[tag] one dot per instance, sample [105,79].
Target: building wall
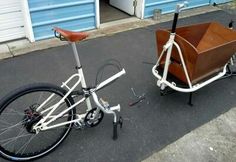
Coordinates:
[12,20]
[40,16]
[74,15]
[219,1]
[168,6]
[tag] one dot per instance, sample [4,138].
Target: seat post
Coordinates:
[80,71]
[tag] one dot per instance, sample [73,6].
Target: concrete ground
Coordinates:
[109,13]
[158,129]
[215,141]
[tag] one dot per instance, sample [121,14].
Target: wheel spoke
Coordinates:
[18,116]
[11,114]
[17,112]
[26,144]
[40,96]
[14,138]
[8,128]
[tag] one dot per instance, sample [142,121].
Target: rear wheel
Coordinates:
[18,115]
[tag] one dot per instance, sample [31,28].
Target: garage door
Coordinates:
[168,6]
[11,18]
[220,1]
[76,15]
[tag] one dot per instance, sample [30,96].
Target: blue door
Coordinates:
[219,1]
[168,6]
[74,15]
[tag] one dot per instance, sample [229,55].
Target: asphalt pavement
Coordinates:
[148,126]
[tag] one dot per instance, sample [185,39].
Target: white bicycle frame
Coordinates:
[43,124]
[162,81]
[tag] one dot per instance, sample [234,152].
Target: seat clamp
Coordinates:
[78,67]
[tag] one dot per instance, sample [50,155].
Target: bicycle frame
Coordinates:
[50,110]
[43,123]
[79,76]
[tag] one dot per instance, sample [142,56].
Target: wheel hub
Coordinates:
[31,117]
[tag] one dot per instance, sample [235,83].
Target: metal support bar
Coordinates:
[187,90]
[167,61]
[183,64]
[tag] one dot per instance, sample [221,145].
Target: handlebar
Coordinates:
[181,6]
[110,80]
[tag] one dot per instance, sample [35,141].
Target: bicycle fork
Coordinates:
[109,110]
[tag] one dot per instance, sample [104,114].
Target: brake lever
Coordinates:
[179,7]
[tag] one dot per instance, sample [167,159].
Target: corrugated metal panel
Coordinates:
[168,6]
[76,15]
[220,1]
[12,22]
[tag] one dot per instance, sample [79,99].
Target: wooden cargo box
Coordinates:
[206,48]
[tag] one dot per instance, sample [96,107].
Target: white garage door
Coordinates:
[11,18]
[124,5]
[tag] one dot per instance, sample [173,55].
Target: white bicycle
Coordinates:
[36,118]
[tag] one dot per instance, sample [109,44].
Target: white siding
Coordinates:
[11,18]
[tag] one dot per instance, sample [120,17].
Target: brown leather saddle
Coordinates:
[71,36]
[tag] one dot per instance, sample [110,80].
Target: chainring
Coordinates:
[92,119]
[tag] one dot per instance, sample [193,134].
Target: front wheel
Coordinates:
[18,115]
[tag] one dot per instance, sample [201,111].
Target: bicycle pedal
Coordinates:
[78,125]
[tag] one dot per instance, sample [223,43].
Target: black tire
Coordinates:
[17,140]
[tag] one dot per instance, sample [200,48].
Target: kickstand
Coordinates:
[190,99]
[120,122]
